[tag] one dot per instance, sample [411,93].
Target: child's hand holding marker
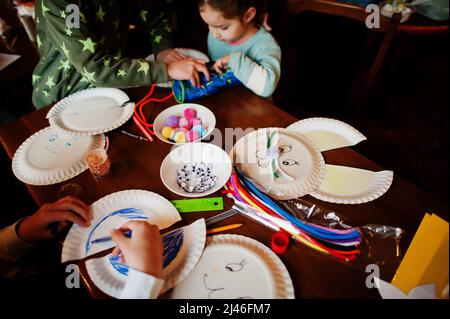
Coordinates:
[142,251]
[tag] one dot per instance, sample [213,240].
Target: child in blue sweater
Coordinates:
[236,41]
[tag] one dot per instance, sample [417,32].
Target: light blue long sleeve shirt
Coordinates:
[256,63]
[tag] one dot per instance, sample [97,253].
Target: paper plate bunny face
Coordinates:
[286,163]
[236,267]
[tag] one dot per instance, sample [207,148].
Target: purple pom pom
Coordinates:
[172,121]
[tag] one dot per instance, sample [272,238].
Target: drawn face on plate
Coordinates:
[229,277]
[284,153]
[55,149]
[242,276]
[58,143]
[282,164]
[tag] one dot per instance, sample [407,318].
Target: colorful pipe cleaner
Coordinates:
[340,243]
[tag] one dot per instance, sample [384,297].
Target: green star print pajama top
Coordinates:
[73,59]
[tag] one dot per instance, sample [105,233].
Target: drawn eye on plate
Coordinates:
[52,138]
[72,141]
[264,163]
[290,162]
[235,267]
[285,148]
[260,154]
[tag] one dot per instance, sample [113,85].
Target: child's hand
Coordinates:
[143,251]
[169,56]
[221,64]
[68,209]
[188,70]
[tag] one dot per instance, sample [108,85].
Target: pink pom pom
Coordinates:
[172,121]
[184,123]
[192,136]
[190,113]
[195,121]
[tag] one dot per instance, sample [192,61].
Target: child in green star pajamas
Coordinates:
[73,59]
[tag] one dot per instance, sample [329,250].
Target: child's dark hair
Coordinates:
[235,8]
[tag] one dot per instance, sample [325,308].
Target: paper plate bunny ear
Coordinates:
[341,184]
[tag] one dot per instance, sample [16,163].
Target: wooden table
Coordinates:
[136,164]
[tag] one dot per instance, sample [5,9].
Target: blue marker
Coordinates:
[109,238]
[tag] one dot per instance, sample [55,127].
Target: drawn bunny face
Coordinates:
[225,281]
[284,158]
[280,161]
[241,276]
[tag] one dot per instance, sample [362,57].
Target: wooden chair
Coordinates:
[361,88]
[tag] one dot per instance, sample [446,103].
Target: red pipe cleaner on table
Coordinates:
[138,113]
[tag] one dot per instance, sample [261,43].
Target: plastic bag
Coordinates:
[380,243]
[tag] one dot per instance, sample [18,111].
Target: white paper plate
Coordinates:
[195,54]
[327,133]
[299,159]
[188,246]
[348,185]
[91,111]
[236,267]
[51,156]
[192,53]
[203,113]
[195,153]
[155,209]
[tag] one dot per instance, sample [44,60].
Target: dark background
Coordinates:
[405,119]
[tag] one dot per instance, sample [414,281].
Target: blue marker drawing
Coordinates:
[71,142]
[53,138]
[172,242]
[127,213]
[53,146]
[121,268]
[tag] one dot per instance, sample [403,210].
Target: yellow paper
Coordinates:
[426,261]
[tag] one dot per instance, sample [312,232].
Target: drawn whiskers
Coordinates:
[211,290]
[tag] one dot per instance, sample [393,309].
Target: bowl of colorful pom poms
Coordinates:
[184,123]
